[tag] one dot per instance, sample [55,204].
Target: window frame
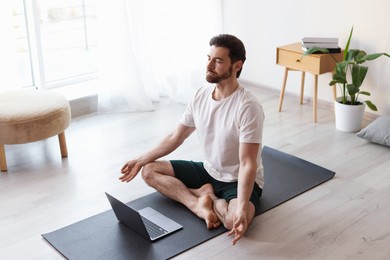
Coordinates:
[31,12]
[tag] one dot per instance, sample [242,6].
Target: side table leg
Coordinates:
[3,161]
[302,86]
[315,98]
[283,89]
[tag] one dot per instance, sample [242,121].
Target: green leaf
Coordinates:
[315,50]
[352,89]
[371,105]
[333,82]
[347,45]
[360,56]
[353,53]
[371,57]
[338,78]
[358,74]
[339,73]
[365,93]
[341,66]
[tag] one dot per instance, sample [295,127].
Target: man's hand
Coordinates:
[130,170]
[240,225]
[166,146]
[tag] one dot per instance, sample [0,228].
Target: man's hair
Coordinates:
[233,44]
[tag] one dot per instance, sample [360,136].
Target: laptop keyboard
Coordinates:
[153,229]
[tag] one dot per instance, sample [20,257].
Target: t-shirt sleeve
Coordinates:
[187,118]
[251,123]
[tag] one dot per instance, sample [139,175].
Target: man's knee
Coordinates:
[148,172]
[153,169]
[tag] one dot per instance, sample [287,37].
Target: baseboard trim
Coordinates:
[84,105]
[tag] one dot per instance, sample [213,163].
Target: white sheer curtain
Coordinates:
[8,60]
[149,48]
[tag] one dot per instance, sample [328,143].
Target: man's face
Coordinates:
[219,66]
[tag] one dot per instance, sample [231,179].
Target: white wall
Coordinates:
[264,25]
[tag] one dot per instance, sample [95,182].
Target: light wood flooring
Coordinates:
[347,217]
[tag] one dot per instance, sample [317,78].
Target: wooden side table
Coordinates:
[290,56]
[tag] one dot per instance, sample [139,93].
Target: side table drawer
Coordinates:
[294,60]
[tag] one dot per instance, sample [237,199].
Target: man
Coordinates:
[226,187]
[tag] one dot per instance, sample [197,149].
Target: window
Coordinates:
[14,47]
[68,41]
[48,43]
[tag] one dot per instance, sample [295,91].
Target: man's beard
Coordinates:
[213,77]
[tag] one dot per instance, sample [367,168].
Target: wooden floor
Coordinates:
[347,217]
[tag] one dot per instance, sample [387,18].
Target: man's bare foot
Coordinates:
[205,211]
[220,207]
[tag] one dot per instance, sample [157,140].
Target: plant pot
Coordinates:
[348,117]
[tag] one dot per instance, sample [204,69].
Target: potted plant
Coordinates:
[350,74]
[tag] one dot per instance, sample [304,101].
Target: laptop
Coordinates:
[147,222]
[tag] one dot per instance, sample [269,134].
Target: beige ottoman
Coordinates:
[32,115]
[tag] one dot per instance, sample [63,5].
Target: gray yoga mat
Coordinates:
[103,237]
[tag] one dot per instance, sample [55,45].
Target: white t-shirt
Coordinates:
[221,126]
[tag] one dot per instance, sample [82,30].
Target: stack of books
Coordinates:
[331,44]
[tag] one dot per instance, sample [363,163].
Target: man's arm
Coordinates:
[246,179]
[165,147]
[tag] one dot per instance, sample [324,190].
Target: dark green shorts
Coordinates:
[194,176]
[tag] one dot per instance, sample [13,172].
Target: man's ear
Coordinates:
[238,65]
